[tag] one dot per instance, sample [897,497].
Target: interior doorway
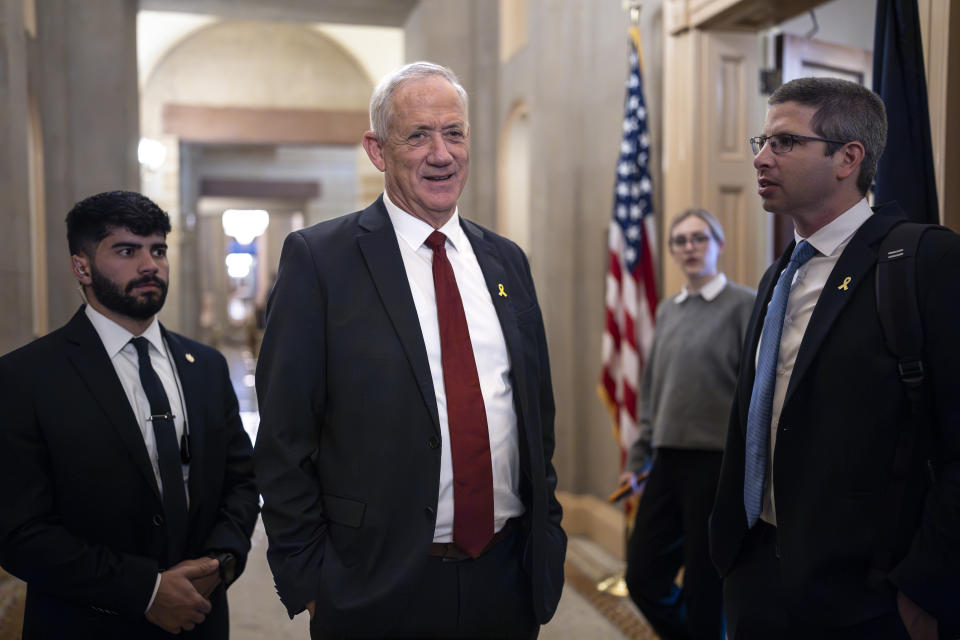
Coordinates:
[799,57]
[244,200]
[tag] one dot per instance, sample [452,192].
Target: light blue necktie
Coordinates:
[761,399]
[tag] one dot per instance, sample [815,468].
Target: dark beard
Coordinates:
[120,301]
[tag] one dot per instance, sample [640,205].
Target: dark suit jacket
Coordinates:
[348,455]
[82,517]
[836,439]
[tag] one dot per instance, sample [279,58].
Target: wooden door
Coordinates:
[714,106]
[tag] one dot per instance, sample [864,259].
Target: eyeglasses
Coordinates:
[781,143]
[697,240]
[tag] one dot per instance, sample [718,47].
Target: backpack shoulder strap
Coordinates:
[898,309]
[897,305]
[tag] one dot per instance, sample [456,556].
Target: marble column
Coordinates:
[83,70]
[16,321]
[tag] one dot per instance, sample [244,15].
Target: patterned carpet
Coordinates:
[12,592]
[618,610]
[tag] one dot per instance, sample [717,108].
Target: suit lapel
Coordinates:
[854,263]
[90,360]
[378,245]
[192,385]
[496,277]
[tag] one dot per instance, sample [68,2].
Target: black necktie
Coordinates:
[168,454]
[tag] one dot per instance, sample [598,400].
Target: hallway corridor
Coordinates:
[256,612]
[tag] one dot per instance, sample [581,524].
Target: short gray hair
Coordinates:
[716,229]
[380,102]
[845,111]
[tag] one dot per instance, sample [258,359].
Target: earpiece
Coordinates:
[80,268]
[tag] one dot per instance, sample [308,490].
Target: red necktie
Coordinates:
[466,415]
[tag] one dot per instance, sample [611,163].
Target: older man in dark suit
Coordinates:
[809,507]
[129,497]
[406,432]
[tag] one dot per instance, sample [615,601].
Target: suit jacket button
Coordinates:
[433,442]
[157,520]
[430,513]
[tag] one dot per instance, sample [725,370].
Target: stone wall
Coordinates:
[83,75]
[16,321]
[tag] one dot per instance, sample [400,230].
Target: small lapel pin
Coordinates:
[846,281]
[190,358]
[502,292]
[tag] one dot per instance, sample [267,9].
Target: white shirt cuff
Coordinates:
[153,596]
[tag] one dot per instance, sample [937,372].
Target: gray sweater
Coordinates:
[690,377]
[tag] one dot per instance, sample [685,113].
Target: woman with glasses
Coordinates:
[686,395]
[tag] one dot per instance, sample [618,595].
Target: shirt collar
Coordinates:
[115,338]
[708,291]
[414,231]
[834,236]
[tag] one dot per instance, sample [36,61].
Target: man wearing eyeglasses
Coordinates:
[806,498]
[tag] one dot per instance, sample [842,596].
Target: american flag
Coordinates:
[631,297]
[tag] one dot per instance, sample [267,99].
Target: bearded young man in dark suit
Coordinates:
[379,524]
[126,519]
[807,494]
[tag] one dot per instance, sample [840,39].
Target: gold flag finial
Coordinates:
[633,6]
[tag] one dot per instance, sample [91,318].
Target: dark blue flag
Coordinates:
[905,172]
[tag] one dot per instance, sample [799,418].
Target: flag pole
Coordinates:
[615,584]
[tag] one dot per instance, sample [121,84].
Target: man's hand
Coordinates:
[920,624]
[178,604]
[311,607]
[206,584]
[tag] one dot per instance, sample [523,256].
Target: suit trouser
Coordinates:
[755,601]
[670,531]
[486,597]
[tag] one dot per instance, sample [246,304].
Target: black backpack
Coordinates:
[898,309]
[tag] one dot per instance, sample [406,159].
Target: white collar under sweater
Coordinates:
[709,291]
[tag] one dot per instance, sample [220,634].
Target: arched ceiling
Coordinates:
[386,13]
[377,49]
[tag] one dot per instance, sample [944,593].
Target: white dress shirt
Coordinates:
[123,357]
[808,282]
[489,351]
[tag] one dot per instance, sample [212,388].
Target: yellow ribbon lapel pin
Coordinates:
[190,358]
[502,292]
[843,286]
